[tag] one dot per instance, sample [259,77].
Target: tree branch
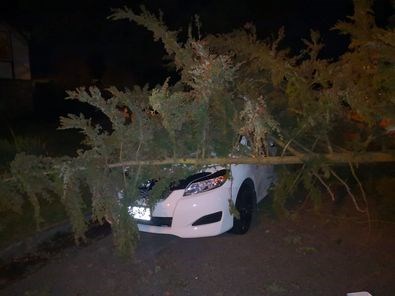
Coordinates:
[334,158]
[354,199]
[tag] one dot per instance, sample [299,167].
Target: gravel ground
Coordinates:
[309,255]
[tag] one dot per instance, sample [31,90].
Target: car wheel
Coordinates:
[245,206]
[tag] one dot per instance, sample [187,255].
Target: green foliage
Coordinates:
[365,74]
[9,148]
[28,172]
[10,202]
[232,209]
[72,199]
[125,233]
[230,85]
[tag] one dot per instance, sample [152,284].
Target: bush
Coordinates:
[29,144]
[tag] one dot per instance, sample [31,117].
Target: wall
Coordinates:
[14,54]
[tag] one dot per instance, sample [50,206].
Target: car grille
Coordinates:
[157,221]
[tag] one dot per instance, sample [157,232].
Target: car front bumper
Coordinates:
[197,215]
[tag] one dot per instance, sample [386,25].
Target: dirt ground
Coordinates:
[313,254]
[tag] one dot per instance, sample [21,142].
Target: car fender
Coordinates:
[240,173]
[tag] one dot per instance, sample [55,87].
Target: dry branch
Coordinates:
[333,158]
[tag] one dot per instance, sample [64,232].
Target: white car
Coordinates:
[200,205]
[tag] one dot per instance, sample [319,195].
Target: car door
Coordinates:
[265,174]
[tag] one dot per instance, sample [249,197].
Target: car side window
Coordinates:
[269,147]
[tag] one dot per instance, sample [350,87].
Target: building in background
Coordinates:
[14,54]
[16,89]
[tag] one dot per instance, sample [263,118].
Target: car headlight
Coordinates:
[210,182]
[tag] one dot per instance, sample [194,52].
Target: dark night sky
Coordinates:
[65,34]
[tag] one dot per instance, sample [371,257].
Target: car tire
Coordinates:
[245,204]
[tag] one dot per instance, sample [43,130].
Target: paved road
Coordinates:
[302,257]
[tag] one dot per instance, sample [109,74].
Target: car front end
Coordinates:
[198,207]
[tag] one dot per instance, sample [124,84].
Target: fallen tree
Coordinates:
[320,112]
[334,158]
